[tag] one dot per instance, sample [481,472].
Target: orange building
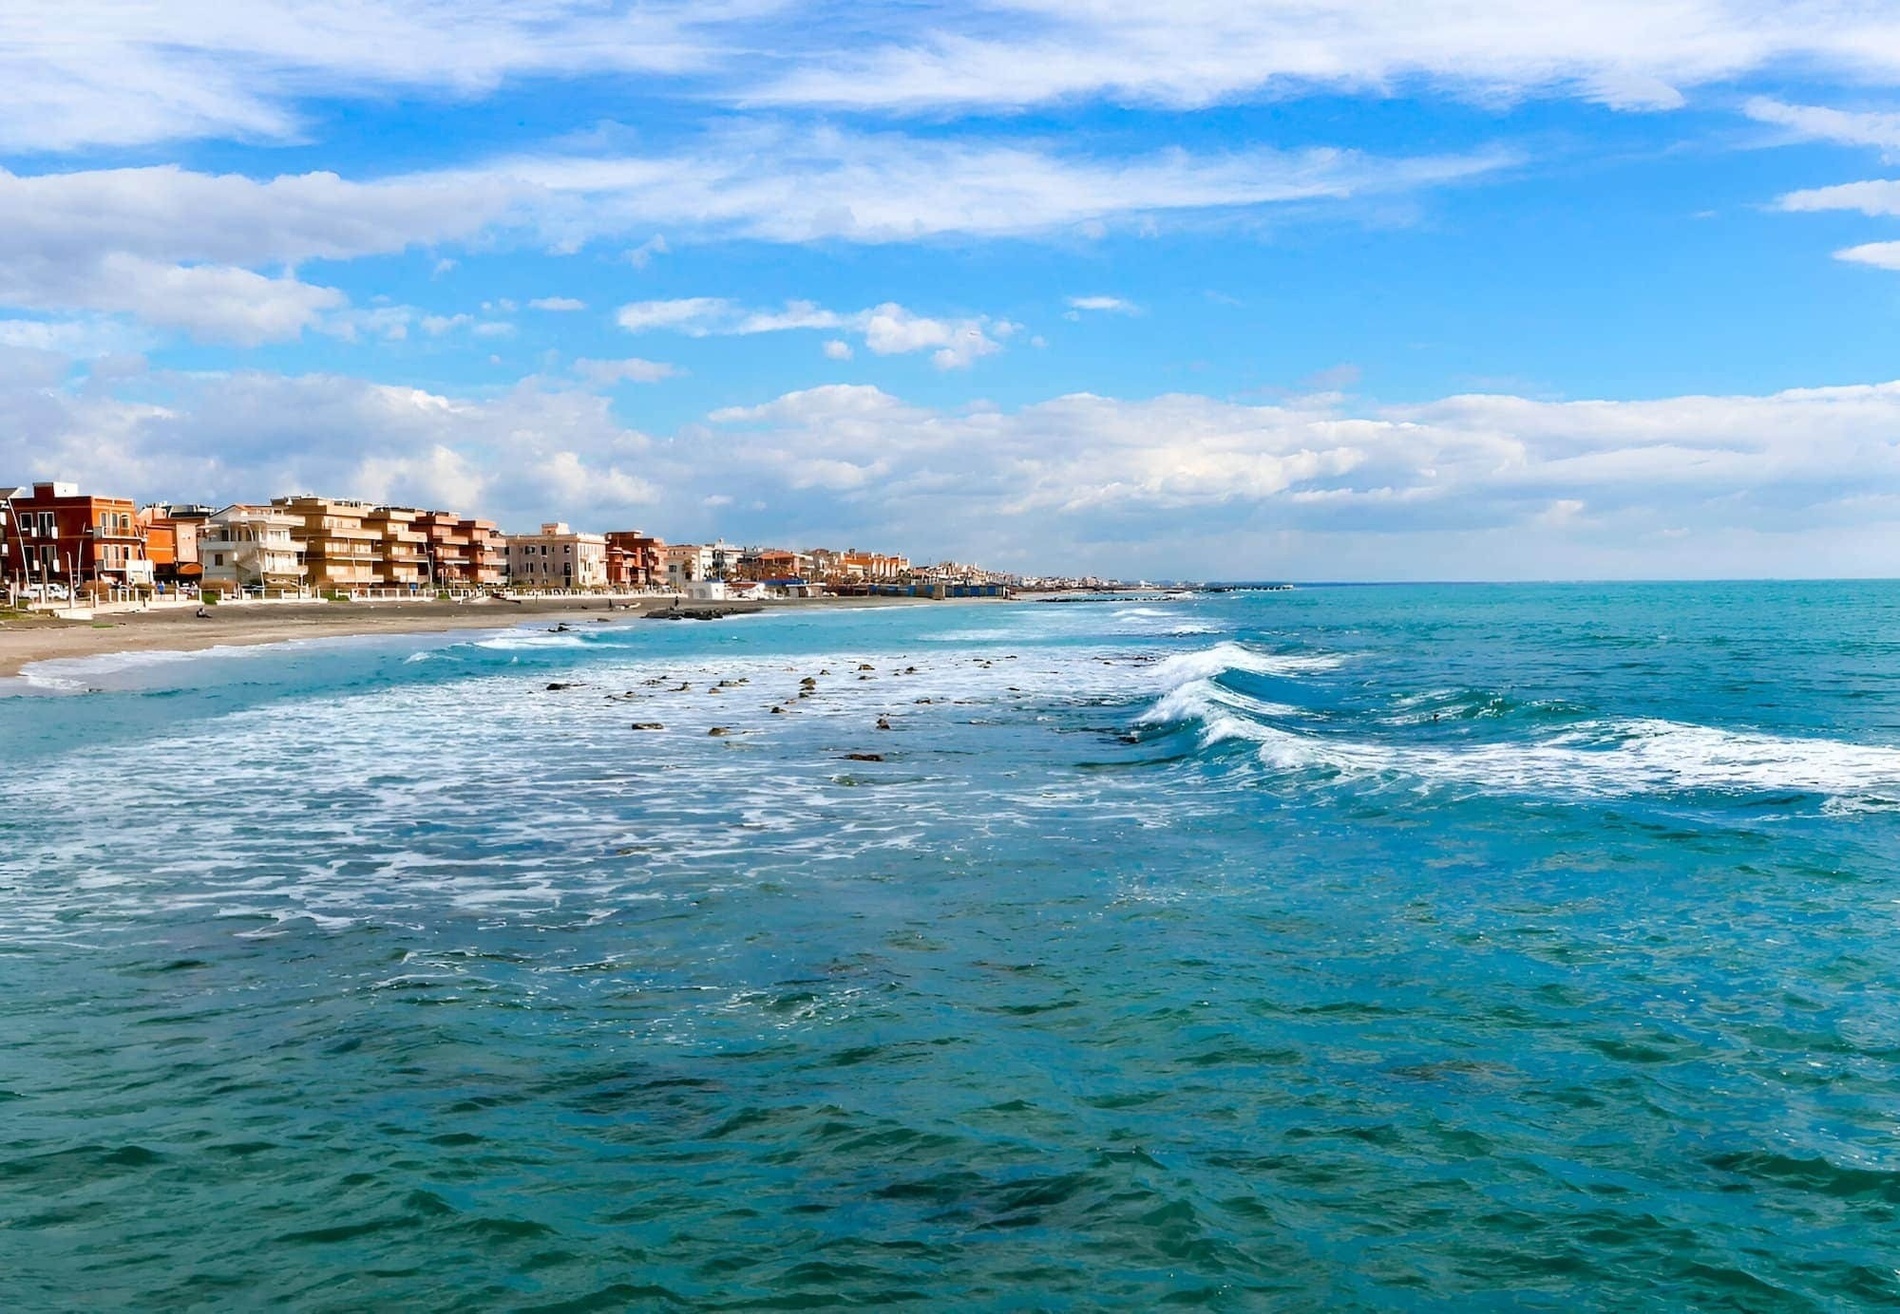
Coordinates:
[57,535]
[171,540]
[634,560]
[462,552]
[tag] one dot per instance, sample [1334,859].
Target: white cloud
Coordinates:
[1878,197]
[1100,303]
[179,250]
[98,72]
[889,329]
[255,435]
[688,315]
[154,242]
[1818,123]
[557,304]
[642,255]
[1635,54]
[768,183]
[837,349]
[1881,255]
[95,72]
[605,373]
[1799,482]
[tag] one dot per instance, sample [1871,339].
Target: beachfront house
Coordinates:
[557,558]
[60,538]
[686,563]
[248,547]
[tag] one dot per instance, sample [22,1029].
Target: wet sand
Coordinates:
[24,640]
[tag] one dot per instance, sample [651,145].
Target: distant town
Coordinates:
[60,544]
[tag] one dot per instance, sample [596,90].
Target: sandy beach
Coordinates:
[36,638]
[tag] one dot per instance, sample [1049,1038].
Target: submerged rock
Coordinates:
[648,725]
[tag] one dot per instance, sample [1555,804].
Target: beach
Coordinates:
[37,638]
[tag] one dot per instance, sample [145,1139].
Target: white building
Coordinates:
[686,564]
[246,546]
[557,558]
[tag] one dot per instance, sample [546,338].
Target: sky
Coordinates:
[1308,289]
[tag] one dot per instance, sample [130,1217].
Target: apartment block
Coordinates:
[462,552]
[57,535]
[635,560]
[341,551]
[401,561]
[557,558]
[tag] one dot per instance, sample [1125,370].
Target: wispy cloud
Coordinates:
[1113,305]
[631,369]
[1635,54]
[557,304]
[1818,123]
[888,329]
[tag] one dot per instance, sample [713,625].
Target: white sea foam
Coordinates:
[532,640]
[1184,668]
[1612,758]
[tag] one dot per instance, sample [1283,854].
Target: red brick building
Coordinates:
[57,535]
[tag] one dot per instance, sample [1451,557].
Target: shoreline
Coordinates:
[28,641]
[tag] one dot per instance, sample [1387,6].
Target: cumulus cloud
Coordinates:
[1798,482]
[889,329]
[257,435]
[557,304]
[180,250]
[1082,466]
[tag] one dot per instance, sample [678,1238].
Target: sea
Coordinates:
[1346,948]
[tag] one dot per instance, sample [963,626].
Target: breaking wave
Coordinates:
[1600,756]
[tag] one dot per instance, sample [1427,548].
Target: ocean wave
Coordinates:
[1207,663]
[532,640]
[1604,758]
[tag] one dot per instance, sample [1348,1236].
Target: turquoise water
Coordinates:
[1382,948]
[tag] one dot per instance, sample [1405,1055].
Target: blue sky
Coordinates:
[1337,288]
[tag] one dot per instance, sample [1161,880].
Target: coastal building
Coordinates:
[171,540]
[401,562]
[247,546]
[684,564]
[57,535]
[635,560]
[341,551]
[772,564]
[461,552]
[557,558]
